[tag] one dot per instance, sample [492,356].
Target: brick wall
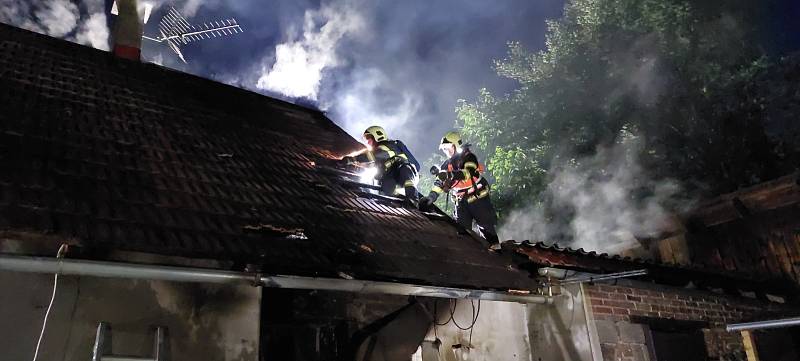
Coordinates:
[618,311]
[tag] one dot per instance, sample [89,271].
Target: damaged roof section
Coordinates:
[123,156]
[753,230]
[542,255]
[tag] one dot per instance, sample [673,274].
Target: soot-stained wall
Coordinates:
[500,331]
[204,322]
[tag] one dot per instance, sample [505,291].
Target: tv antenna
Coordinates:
[175,31]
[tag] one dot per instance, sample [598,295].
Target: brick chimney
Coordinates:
[128,29]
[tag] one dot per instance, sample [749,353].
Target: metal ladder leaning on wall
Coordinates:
[102,346]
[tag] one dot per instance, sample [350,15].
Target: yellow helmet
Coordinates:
[376,133]
[451,138]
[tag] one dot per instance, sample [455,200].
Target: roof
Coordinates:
[124,156]
[753,230]
[115,155]
[540,254]
[763,197]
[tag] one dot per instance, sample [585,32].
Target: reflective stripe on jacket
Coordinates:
[386,155]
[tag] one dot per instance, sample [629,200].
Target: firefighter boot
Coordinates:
[412,196]
[494,241]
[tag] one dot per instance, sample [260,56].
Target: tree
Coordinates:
[672,74]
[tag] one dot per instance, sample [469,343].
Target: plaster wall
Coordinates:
[500,332]
[204,322]
[559,332]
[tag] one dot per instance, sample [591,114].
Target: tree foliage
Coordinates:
[673,74]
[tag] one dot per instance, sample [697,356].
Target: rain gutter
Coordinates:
[188,274]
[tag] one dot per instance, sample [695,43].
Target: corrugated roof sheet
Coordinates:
[540,254]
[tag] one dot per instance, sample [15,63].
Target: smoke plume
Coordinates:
[300,62]
[601,203]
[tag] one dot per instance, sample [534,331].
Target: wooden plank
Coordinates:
[749,342]
[781,253]
[770,256]
[778,193]
[665,251]
[793,244]
[680,249]
[743,244]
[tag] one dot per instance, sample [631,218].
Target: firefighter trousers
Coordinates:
[402,176]
[482,212]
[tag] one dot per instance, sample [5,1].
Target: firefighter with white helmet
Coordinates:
[461,176]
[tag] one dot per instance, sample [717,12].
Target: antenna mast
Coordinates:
[176,31]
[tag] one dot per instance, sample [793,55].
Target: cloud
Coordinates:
[61,19]
[19,14]
[58,17]
[299,63]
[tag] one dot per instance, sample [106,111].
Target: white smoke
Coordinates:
[299,63]
[157,59]
[613,202]
[94,32]
[363,103]
[190,7]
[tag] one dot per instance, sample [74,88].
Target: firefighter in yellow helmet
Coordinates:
[395,164]
[461,176]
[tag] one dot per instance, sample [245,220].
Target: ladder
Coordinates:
[102,346]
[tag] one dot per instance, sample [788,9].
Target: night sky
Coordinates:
[400,64]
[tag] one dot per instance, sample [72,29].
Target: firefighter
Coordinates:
[461,176]
[396,166]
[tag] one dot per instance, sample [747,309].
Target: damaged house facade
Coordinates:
[209,227]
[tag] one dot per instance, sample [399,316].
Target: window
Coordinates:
[674,340]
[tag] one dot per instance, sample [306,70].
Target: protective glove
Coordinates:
[434,170]
[346,161]
[444,176]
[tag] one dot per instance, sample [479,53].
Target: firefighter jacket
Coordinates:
[462,177]
[388,156]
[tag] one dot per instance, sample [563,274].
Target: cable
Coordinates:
[61,251]
[453,304]
[452,315]
[46,315]
[435,303]
[473,323]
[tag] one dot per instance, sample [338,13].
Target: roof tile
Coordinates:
[91,148]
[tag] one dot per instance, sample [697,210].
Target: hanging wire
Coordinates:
[60,254]
[471,328]
[435,305]
[475,313]
[452,306]
[46,316]
[452,316]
